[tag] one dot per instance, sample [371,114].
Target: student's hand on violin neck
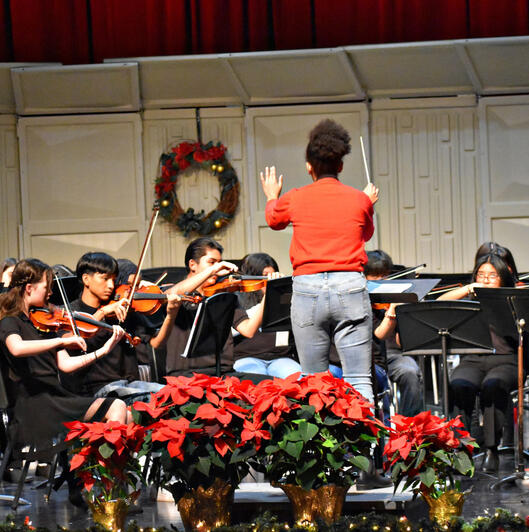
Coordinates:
[223,268]
[271,184]
[116,308]
[173,304]
[117,335]
[74,342]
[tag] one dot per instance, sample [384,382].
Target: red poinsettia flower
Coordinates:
[253,430]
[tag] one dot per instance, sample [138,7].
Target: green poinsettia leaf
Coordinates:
[307,431]
[333,462]
[328,443]
[293,435]
[331,421]
[306,411]
[419,458]
[463,463]
[270,449]
[242,455]
[441,455]
[204,465]
[105,450]
[294,449]
[306,466]
[428,477]
[360,461]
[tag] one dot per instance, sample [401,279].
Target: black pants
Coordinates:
[493,377]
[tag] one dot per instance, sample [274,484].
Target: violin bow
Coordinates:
[365,160]
[67,307]
[154,217]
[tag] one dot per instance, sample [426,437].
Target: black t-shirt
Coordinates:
[177,341]
[120,363]
[34,373]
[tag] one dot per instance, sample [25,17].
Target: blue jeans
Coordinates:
[405,371]
[383,386]
[278,367]
[334,306]
[129,391]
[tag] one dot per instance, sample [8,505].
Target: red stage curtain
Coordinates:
[292,24]
[5,48]
[81,31]
[50,30]
[218,26]
[134,28]
[495,18]
[380,21]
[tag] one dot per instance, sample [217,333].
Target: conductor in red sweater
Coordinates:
[331,222]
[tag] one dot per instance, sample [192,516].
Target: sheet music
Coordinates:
[192,332]
[387,288]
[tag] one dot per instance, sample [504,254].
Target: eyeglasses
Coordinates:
[489,277]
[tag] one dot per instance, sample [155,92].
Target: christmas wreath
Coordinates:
[211,157]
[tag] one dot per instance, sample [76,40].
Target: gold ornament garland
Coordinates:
[211,157]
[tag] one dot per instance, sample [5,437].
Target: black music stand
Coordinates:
[71,286]
[507,310]
[211,328]
[276,312]
[443,328]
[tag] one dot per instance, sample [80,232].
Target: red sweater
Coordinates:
[331,221]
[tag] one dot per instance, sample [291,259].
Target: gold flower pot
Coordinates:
[112,514]
[325,502]
[448,505]
[204,509]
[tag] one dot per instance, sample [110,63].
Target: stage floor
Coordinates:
[253,498]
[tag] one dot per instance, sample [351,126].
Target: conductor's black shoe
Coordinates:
[372,481]
[491,463]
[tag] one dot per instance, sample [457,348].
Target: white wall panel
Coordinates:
[196,189]
[82,186]
[9,188]
[424,161]
[504,128]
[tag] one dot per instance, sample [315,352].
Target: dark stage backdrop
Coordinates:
[85,31]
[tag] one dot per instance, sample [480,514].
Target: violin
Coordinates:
[148,299]
[237,283]
[46,320]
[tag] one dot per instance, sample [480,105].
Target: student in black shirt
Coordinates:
[118,373]
[203,261]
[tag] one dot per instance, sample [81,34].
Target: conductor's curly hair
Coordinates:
[328,143]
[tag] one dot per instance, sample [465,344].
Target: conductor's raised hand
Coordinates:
[372,192]
[271,185]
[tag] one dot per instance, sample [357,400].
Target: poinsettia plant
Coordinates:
[199,430]
[106,457]
[320,430]
[426,452]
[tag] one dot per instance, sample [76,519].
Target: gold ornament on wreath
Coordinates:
[195,155]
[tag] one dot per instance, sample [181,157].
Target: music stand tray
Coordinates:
[507,310]
[211,328]
[442,328]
